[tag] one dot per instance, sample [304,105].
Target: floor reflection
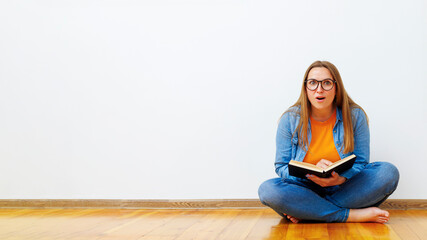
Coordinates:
[285,229]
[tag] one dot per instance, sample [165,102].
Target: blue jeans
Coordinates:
[308,201]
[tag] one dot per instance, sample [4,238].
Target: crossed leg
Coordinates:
[350,203]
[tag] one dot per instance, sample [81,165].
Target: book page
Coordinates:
[306,165]
[339,162]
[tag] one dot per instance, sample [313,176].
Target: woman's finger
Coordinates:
[326,162]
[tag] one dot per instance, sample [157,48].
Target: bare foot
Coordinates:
[371,214]
[292,219]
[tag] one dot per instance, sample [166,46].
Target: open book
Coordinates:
[300,169]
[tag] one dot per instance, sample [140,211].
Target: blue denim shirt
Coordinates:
[287,147]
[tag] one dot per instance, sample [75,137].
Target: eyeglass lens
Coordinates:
[326,84]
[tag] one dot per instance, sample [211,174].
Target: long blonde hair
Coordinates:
[342,100]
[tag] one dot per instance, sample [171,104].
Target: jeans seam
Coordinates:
[346,214]
[330,199]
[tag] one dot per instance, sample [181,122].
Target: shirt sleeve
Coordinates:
[283,146]
[361,142]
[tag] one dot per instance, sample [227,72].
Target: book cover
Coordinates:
[301,169]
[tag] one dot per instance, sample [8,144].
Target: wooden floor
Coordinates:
[195,224]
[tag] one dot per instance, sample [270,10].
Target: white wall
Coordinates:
[129,99]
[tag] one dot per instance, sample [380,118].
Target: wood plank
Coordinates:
[174,204]
[96,226]
[340,231]
[400,222]
[130,204]
[177,227]
[419,223]
[211,225]
[241,225]
[142,225]
[375,231]
[404,204]
[307,231]
[280,230]
[269,224]
[195,224]
[18,225]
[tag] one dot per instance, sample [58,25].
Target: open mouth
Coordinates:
[320,98]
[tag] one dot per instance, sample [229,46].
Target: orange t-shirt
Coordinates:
[322,144]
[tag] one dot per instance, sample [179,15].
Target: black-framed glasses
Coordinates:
[327,84]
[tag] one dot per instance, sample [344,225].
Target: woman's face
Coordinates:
[319,98]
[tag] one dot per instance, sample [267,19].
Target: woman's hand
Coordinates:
[323,163]
[334,180]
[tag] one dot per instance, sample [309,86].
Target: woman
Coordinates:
[323,126]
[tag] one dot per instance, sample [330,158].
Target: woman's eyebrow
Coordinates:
[319,80]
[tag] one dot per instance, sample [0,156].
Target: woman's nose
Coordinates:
[319,88]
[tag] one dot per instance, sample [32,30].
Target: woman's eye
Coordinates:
[312,82]
[327,83]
